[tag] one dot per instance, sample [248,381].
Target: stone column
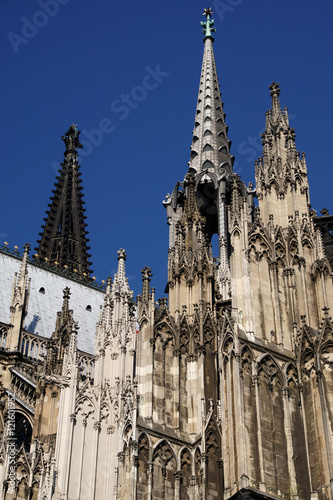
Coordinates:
[110,431]
[273,271]
[94,459]
[327,427]
[178,477]
[300,389]
[238,395]
[304,290]
[84,424]
[290,448]
[262,485]
[150,480]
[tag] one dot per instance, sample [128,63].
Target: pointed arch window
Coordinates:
[195,139]
[223,149]
[208,119]
[207,132]
[23,431]
[208,107]
[207,147]
[207,164]
[193,154]
[196,124]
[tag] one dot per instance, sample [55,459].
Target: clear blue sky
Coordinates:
[75,60]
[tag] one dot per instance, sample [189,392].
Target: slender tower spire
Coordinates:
[210,146]
[64,237]
[210,163]
[19,303]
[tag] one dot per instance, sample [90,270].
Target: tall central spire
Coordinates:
[210,145]
[63,240]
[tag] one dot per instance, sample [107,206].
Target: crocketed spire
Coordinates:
[210,145]
[64,238]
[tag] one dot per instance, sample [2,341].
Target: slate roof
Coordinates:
[43,307]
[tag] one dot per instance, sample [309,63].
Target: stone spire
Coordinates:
[61,336]
[64,238]
[116,334]
[281,173]
[19,303]
[210,145]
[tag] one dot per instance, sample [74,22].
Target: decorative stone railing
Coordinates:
[33,346]
[54,268]
[86,364]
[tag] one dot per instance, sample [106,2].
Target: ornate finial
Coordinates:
[146,276]
[274,89]
[121,254]
[208,25]
[65,305]
[275,92]
[146,273]
[67,293]
[71,139]
[26,248]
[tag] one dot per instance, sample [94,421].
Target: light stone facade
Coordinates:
[225,390]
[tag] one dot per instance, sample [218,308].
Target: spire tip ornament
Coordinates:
[208,26]
[71,139]
[274,89]
[207,12]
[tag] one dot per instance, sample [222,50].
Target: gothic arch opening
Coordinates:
[207,198]
[164,468]
[143,459]
[23,431]
[186,470]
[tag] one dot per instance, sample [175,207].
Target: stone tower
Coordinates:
[235,374]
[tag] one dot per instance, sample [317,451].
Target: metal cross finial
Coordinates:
[208,25]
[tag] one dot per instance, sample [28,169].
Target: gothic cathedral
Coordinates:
[225,389]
